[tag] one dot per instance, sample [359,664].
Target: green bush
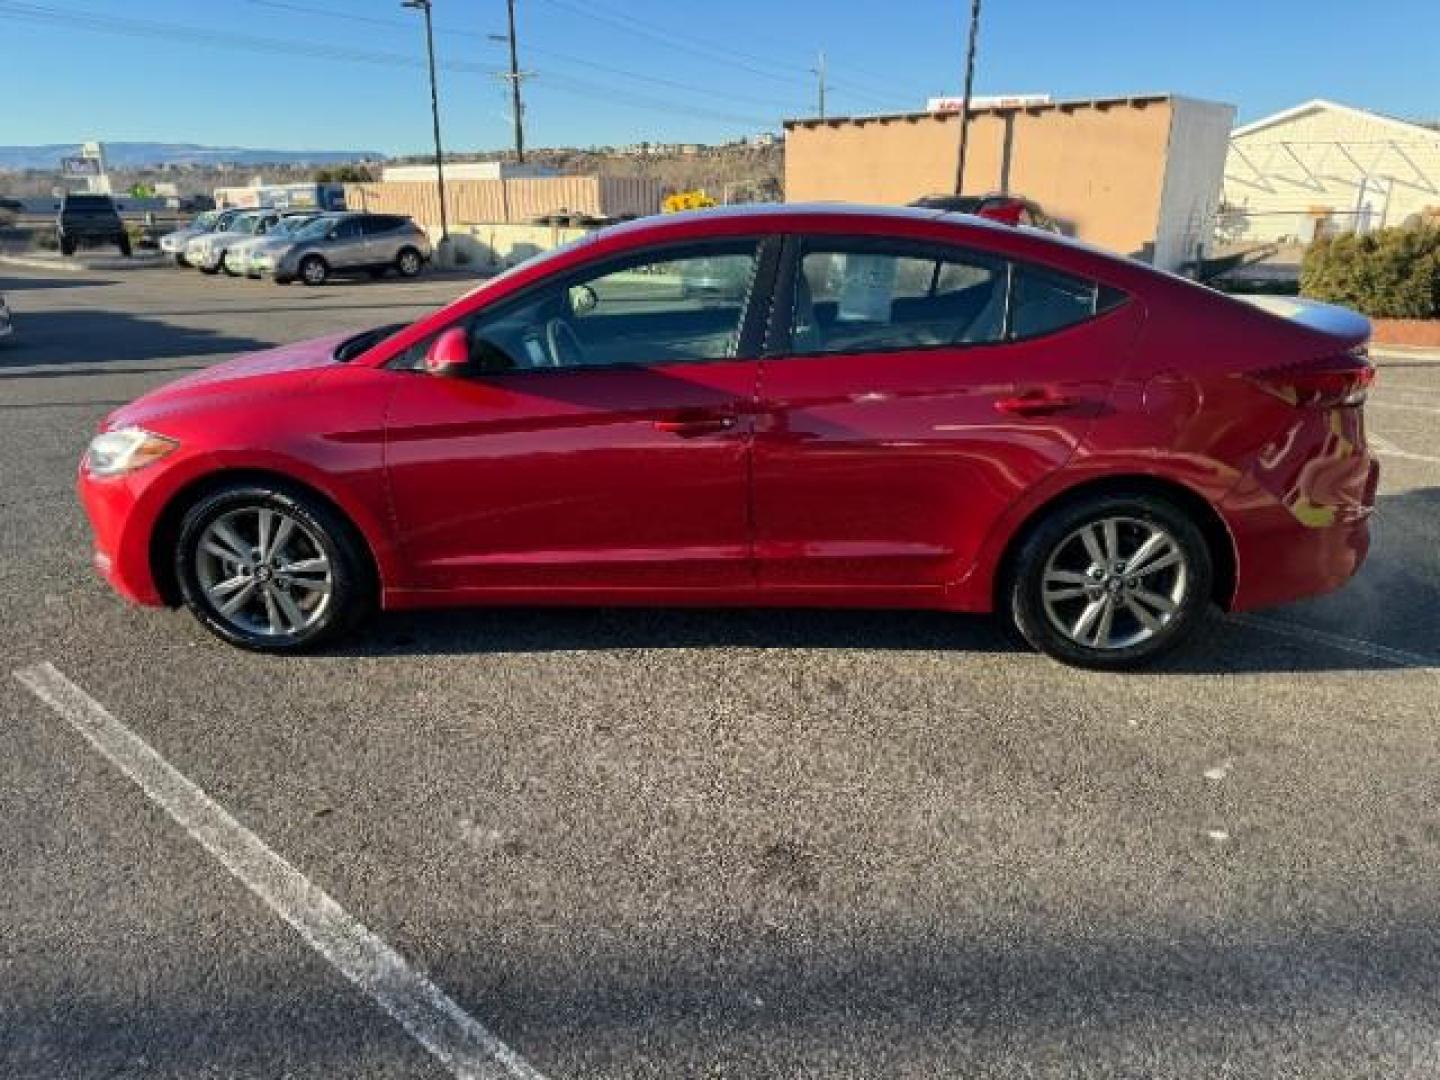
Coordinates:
[1389,274]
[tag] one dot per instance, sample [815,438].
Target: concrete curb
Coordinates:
[81,265]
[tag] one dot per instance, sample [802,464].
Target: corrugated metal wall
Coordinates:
[509,201]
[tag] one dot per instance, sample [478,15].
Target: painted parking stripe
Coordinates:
[1403,407]
[462,1043]
[1358,646]
[1387,448]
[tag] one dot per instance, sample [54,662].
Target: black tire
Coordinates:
[180,260]
[313,270]
[408,262]
[352,586]
[209,271]
[124,245]
[1186,583]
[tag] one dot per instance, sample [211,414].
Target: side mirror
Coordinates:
[449,354]
[583,300]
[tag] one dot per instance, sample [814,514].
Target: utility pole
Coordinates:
[820,72]
[965,101]
[515,86]
[423,6]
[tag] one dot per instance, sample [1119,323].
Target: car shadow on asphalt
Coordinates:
[1394,596]
[1222,647]
[29,284]
[105,337]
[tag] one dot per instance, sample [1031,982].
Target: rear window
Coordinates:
[382,223]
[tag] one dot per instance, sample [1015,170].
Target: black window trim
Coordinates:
[755,308]
[777,343]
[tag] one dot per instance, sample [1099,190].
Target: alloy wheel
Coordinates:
[1114,583]
[264,572]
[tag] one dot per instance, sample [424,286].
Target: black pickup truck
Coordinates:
[90,219]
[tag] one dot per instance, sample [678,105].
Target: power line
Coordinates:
[73,19]
[715,51]
[569,58]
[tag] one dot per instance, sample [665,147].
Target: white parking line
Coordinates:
[1403,407]
[461,1042]
[1384,446]
[1370,649]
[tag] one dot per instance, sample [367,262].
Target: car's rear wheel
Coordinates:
[271,569]
[313,270]
[1111,582]
[408,262]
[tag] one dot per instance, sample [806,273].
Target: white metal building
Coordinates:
[1325,166]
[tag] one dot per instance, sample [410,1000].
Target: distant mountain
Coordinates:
[131,155]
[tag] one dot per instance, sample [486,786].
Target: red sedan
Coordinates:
[821,406]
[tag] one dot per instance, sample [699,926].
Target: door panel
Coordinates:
[607,478]
[885,469]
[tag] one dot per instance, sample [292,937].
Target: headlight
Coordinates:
[112,453]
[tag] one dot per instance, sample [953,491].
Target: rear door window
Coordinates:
[863,296]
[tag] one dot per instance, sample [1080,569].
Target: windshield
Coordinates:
[246,224]
[291,226]
[204,221]
[313,230]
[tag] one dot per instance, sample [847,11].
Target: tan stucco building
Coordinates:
[1140,175]
[1322,165]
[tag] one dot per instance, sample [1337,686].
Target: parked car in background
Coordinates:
[346,243]
[173,243]
[1006,209]
[209,252]
[90,219]
[903,409]
[7,322]
[244,257]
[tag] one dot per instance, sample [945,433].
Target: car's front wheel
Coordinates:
[272,569]
[313,270]
[409,262]
[1111,582]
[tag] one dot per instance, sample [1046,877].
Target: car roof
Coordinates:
[916,222]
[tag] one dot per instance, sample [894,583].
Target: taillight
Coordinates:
[1326,383]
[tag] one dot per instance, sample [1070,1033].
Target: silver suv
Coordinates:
[346,242]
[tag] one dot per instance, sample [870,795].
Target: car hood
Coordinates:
[245,377]
[223,234]
[272,243]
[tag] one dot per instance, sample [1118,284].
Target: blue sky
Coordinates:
[328,74]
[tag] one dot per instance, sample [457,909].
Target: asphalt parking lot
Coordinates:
[672,844]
